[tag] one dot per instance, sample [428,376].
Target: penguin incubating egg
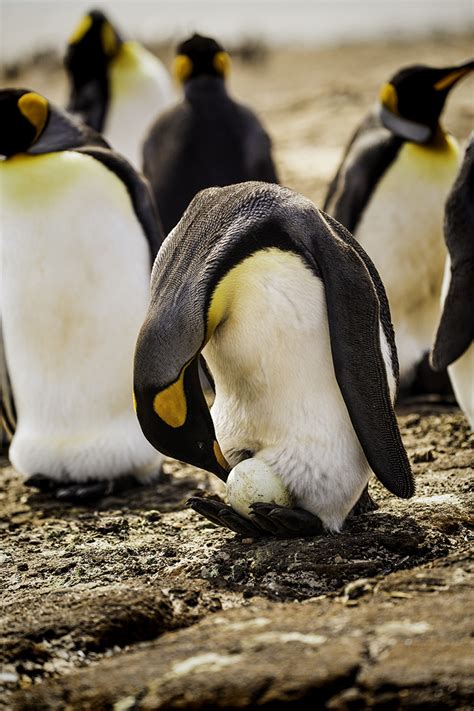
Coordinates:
[79,232]
[454,345]
[206,140]
[390,191]
[292,319]
[116,86]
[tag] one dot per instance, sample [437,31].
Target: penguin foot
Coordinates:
[267,519]
[364,504]
[80,492]
[284,522]
[223,515]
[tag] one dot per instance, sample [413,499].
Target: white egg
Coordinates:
[252,480]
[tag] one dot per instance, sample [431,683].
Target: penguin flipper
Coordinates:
[357,306]
[7,405]
[371,151]
[456,328]
[139,191]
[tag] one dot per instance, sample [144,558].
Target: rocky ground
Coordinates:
[138,603]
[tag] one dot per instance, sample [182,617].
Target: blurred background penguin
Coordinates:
[116,85]
[390,190]
[206,140]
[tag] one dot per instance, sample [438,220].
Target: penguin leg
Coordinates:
[364,504]
[223,515]
[81,492]
[286,522]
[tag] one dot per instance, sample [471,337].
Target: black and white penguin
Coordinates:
[454,347]
[206,140]
[293,322]
[116,86]
[79,233]
[390,191]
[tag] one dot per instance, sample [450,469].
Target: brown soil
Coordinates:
[138,603]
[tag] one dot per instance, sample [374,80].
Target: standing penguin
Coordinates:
[207,139]
[390,190]
[79,231]
[117,86]
[454,345]
[293,321]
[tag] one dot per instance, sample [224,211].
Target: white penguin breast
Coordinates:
[75,274]
[401,229]
[276,389]
[140,89]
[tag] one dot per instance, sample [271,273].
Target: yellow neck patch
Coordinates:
[109,39]
[221,63]
[82,28]
[170,404]
[182,67]
[388,98]
[35,109]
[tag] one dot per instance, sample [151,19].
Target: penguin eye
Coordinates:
[201,445]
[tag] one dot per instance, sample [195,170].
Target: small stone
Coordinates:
[22,566]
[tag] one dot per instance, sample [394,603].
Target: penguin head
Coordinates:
[200,56]
[169,400]
[25,115]
[93,45]
[413,100]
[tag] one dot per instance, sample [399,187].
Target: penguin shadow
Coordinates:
[165,494]
[369,545]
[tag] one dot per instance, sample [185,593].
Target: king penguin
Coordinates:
[207,139]
[390,191]
[79,233]
[293,322]
[116,86]
[454,347]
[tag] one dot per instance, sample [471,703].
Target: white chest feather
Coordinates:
[140,88]
[75,268]
[276,391]
[402,231]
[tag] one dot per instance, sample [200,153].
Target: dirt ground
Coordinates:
[138,603]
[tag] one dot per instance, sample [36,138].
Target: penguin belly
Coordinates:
[74,293]
[140,88]
[402,231]
[277,397]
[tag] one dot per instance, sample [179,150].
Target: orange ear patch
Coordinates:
[222,63]
[35,109]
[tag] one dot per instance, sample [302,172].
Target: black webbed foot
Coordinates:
[223,515]
[286,522]
[267,519]
[83,492]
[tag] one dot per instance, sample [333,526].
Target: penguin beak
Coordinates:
[450,77]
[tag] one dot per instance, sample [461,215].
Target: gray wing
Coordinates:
[355,311]
[370,152]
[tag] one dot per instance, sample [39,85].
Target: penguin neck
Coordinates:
[63,132]
[405,128]
[205,86]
